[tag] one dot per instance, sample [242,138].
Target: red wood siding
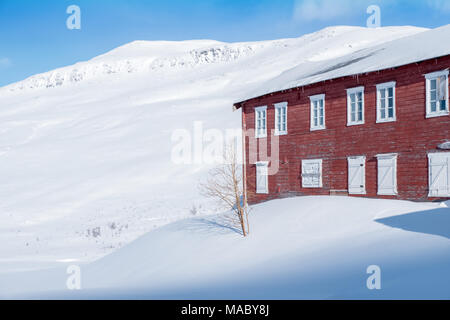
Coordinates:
[411,136]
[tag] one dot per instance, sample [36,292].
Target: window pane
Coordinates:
[433,95]
[383,93]
[433,106]
[359,96]
[441,88]
[391,112]
[383,113]
[352,98]
[391,102]
[391,92]
[433,84]
[443,105]
[359,115]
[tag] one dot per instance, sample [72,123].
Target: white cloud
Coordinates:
[441,5]
[5,62]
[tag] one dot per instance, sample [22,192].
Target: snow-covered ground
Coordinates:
[86,155]
[306,247]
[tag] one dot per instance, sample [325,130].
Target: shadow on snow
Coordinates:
[435,222]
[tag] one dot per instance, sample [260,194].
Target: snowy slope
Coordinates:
[308,247]
[398,52]
[85,150]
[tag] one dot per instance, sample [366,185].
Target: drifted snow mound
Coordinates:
[166,56]
[306,247]
[86,150]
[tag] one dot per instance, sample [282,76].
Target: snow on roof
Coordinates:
[419,47]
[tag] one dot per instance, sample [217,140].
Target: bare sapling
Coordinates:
[225,184]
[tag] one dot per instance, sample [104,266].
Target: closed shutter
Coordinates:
[387,174]
[439,174]
[312,173]
[357,175]
[262,177]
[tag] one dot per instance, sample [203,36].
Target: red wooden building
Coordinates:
[375,124]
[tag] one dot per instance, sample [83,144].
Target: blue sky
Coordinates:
[34,37]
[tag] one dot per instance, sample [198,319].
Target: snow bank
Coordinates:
[307,247]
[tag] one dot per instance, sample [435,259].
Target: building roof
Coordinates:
[419,47]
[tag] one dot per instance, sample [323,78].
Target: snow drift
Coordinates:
[299,248]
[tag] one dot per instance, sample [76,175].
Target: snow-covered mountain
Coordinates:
[85,150]
[150,57]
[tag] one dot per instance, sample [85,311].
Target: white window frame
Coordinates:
[314,99]
[363,188]
[279,106]
[428,78]
[349,107]
[266,165]
[379,157]
[386,86]
[446,159]
[257,110]
[313,161]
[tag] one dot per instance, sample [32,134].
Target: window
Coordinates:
[439,174]
[357,175]
[312,173]
[317,112]
[262,182]
[387,174]
[355,106]
[261,122]
[281,118]
[437,94]
[386,102]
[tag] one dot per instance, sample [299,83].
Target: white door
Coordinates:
[387,174]
[312,173]
[262,177]
[356,175]
[439,174]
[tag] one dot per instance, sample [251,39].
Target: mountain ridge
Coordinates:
[142,56]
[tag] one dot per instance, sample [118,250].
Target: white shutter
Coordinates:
[387,174]
[262,177]
[439,174]
[357,175]
[312,173]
